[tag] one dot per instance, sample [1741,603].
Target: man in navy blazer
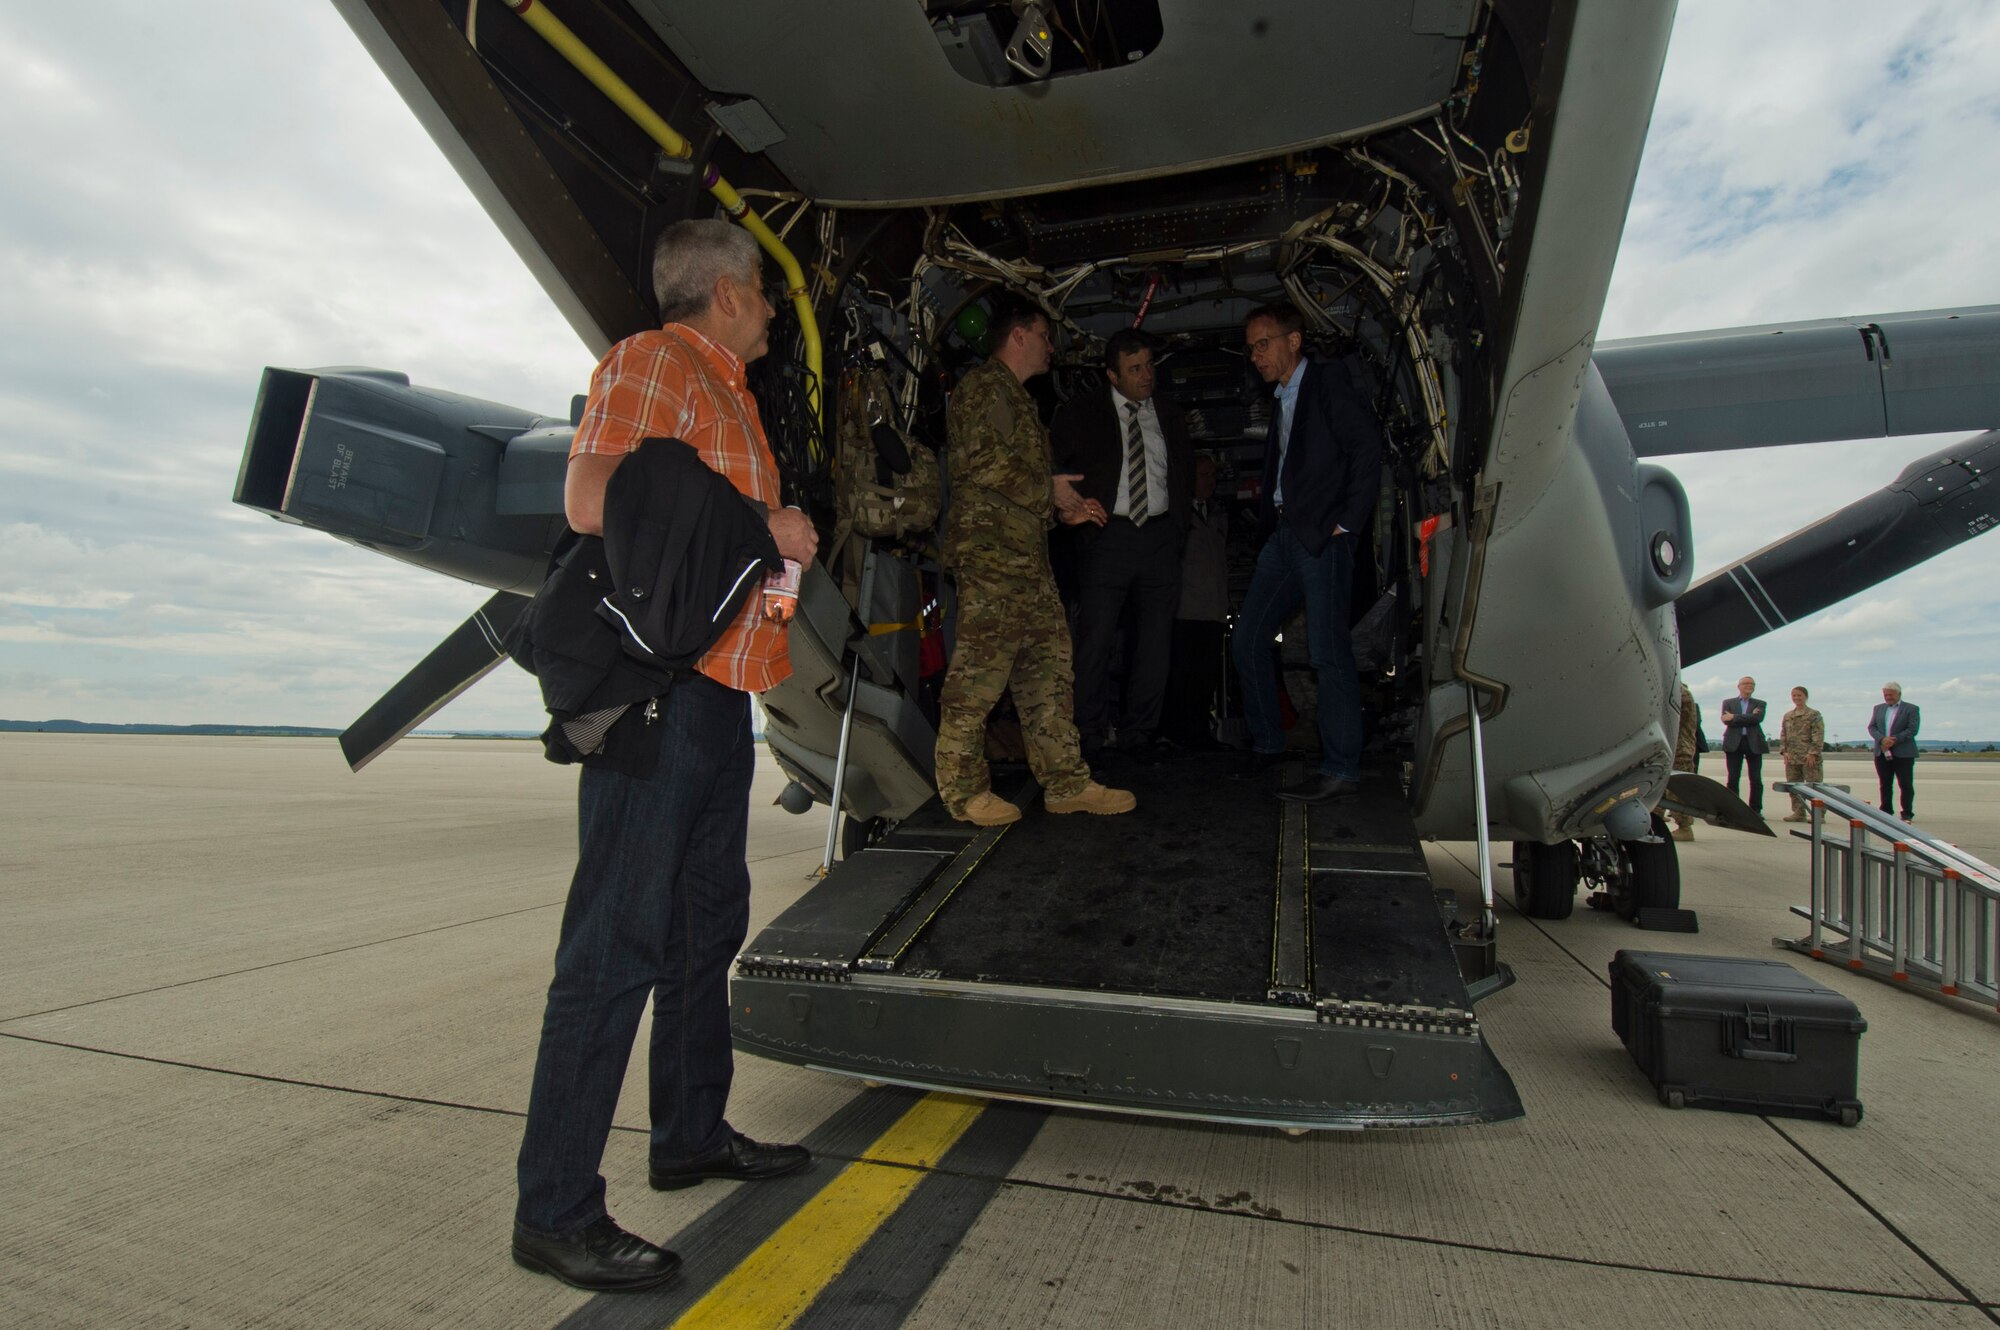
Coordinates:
[1893,727]
[1322,475]
[1743,741]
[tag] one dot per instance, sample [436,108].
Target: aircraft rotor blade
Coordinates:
[458,662]
[1939,502]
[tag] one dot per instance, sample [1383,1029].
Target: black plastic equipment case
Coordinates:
[1754,1036]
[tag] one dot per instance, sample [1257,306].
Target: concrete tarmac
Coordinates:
[266,1031]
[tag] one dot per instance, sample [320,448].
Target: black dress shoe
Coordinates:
[1150,751]
[1253,764]
[741,1160]
[599,1258]
[1319,788]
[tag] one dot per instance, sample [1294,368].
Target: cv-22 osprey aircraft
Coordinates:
[1439,188]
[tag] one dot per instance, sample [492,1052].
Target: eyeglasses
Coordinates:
[1256,348]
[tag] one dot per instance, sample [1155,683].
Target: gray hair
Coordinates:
[688,258]
[1893,684]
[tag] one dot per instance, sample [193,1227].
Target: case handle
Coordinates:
[1757,1026]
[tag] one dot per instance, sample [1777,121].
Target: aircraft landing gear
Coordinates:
[1634,875]
[1629,876]
[1545,878]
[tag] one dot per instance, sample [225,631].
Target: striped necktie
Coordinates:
[1139,505]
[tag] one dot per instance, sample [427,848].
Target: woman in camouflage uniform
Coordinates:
[1801,739]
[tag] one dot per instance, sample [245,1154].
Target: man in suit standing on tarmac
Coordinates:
[1132,452]
[1743,741]
[1893,727]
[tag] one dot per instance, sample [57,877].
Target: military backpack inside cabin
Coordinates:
[885,482]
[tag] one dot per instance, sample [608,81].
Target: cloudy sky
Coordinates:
[189,195]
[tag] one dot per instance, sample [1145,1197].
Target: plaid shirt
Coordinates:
[676,383]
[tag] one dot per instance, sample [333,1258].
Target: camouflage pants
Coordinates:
[1803,768]
[1011,634]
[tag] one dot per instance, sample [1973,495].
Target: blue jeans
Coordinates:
[1286,575]
[658,907]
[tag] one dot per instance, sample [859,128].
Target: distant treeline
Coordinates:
[94,727]
[238,731]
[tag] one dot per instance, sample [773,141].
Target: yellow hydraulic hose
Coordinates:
[566,43]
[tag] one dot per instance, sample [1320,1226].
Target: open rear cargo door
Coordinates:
[1216,955]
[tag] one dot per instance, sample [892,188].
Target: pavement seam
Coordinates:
[1969,1298]
[316,955]
[1319,1225]
[301,1084]
[269,1079]
[272,965]
[1884,1220]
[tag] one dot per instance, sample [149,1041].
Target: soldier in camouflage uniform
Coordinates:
[1801,741]
[1011,629]
[1687,755]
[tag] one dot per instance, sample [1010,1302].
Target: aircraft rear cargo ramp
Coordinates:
[1214,955]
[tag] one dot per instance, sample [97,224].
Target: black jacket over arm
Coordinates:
[1333,466]
[619,616]
[1089,438]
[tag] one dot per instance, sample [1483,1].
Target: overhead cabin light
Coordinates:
[1032,47]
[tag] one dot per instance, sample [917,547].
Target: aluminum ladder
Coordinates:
[1894,902]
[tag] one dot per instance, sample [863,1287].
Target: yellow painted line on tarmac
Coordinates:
[774,1284]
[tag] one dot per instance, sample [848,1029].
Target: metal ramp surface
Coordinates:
[1215,954]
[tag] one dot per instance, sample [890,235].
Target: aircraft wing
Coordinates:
[1874,376]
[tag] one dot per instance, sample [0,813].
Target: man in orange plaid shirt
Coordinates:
[660,900]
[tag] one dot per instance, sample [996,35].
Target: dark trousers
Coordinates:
[1193,681]
[1736,760]
[1117,565]
[1285,577]
[1891,772]
[657,909]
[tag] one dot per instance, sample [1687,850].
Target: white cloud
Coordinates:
[180,208]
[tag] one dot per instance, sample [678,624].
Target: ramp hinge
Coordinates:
[776,965]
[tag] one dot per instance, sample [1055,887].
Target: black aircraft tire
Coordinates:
[856,833]
[1545,878]
[1656,874]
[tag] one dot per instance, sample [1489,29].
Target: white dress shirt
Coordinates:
[1156,458]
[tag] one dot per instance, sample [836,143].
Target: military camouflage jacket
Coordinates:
[1002,505]
[1801,734]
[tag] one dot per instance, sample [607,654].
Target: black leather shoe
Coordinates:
[741,1160]
[1150,751]
[1319,789]
[599,1258]
[1253,764]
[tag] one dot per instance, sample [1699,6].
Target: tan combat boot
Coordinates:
[987,809]
[1093,798]
[1683,828]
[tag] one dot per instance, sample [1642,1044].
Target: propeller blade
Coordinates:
[1937,503]
[454,665]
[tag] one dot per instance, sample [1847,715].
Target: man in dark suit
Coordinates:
[1893,727]
[1743,741]
[1132,452]
[1322,474]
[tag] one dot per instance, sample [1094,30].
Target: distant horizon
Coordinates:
[67,725]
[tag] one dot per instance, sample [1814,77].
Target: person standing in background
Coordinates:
[1801,740]
[1893,727]
[1743,741]
[1687,754]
